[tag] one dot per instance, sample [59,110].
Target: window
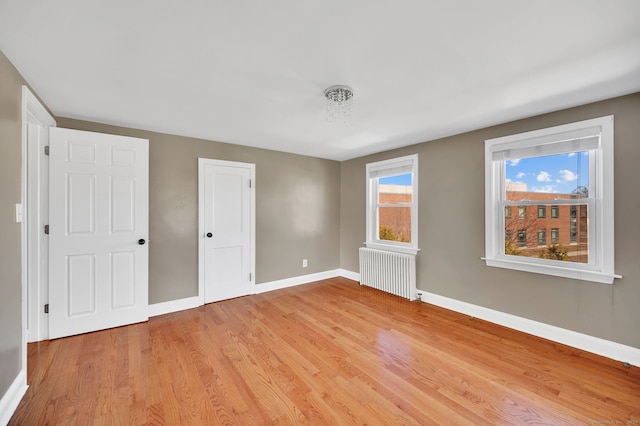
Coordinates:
[392,204]
[573,225]
[507,211]
[542,237]
[567,169]
[507,235]
[542,212]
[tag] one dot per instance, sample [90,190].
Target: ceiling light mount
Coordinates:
[339,102]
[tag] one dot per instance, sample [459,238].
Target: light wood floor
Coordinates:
[330,352]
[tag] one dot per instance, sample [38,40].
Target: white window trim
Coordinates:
[400,165]
[601,230]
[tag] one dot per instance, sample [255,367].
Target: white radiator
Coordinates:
[392,272]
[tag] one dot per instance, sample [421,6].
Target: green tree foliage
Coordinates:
[554,252]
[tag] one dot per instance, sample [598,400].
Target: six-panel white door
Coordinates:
[98,218]
[225,229]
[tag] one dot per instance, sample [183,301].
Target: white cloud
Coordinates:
[543,177]
[514,162]
[568,175]
[520,175]
[548,189]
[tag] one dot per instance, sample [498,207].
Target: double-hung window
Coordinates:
[392,204]
[569,170]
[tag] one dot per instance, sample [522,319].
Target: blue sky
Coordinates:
[560,173]
[396,180]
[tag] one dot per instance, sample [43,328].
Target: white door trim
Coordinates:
[201,215]
[34,321]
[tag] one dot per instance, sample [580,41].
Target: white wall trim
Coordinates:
[12,397]
[34,322]
[174,306]
[574,339]
[294,281]
[355,276]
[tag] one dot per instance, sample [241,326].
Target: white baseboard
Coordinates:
[174,306]
[12,397]
[355,276]
[195,301]
[294,281]
[574,339]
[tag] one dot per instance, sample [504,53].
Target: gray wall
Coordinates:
[297,209]
[451,229]
[10,241]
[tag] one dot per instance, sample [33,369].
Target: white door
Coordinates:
[98,227]
[226,229]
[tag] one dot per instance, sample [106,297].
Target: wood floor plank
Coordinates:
[326,353]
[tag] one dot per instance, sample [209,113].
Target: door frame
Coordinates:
[202,162]
[34,320]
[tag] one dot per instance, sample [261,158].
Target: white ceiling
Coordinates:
[253,72]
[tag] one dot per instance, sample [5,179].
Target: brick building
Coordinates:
[394,218]
[531,229]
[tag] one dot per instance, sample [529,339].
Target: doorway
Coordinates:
[226,232]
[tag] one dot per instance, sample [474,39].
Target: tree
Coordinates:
[554,252]
[510,248]
[387,234]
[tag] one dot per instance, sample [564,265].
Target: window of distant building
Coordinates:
[392,204]
[542,212]
[542,237]
[568,169]
[507,211]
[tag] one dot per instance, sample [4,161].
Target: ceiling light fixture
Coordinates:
[339,103]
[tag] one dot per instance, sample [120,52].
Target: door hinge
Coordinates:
[46,229]
[250,276]
[46,150]
[46,308]
[249,183]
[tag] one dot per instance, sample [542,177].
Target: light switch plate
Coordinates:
[19,214]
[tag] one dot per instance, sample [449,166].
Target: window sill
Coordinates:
[394,248]
[573,273]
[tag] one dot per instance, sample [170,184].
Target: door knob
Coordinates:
[141,241]
[209,235]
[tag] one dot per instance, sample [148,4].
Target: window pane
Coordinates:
[522,212]
[541,237]
[542,211]
[554,212]
[549,174]
[395,189]
[395,224]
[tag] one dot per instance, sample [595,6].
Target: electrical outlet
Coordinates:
[304,263]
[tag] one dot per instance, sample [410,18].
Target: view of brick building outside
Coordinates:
[531,228]
[395,222]
[534,228]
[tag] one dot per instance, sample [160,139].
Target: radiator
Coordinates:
[392,272]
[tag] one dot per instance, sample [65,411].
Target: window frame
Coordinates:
[392,167]
[597,136]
